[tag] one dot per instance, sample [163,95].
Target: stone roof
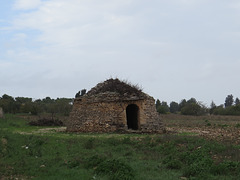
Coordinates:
[118,88]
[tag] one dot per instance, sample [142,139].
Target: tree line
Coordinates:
[63,106]
[196,108]
[13,105]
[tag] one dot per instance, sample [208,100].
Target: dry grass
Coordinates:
[118,86]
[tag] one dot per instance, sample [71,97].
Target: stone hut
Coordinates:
[1,113]
[115,106]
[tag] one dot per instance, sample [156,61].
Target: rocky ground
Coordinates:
[228,134]
[220,128]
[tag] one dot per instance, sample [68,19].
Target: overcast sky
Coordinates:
[174,49]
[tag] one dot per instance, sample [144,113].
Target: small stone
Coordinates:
[184,178]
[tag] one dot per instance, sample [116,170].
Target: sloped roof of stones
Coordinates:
[115,90]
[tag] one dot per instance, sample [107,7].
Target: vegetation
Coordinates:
[116,85]
[81,93]
[27,105]
[196,108]
[28,153]
[46,122]
[63,106]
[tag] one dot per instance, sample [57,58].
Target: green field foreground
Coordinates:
[31,153]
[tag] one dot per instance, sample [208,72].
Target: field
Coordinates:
[193,148]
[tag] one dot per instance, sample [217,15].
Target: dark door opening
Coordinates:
[132,116]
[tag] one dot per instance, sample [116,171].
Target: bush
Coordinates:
[231,110]
[46,122]
[226,167]
[115,169]
[193,109]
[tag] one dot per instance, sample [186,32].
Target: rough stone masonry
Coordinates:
[115,106]
[1,112]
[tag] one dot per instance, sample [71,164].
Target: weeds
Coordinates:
[226,168]
[89,144]
[113,157]
[237,125]
[115,169]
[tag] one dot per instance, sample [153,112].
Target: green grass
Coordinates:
[60,155]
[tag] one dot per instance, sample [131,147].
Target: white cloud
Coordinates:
[166,45]
[67,22]
[27,4]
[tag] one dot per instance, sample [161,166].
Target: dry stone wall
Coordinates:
[1,113]
[106,112]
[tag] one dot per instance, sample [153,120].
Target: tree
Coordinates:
[229,101]
[7,97]
[23,100]
[8,104]
[162,108]
[48,100]
[192,107]
[192,101]
[24,105]
[212,107]
[63,106]
[158,103]
[219,110]
[182,104]
[237,101]
[174,107]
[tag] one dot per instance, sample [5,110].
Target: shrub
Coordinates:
[193,109]
[46,122]
[172,163]
[226,167]
[115,169]
[237,125]
[198,161]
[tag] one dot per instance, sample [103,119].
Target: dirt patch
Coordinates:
[45,130]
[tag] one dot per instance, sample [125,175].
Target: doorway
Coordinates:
[132,116]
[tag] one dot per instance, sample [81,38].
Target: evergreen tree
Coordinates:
[237,101]
[158,103]
[229,101]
